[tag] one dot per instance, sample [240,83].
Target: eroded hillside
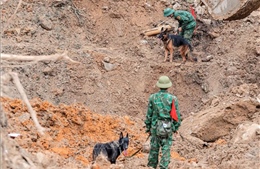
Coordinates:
[108,91]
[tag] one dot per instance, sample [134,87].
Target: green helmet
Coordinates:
[168,11]
[164,82]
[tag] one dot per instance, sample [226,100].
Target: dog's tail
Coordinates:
[192,58]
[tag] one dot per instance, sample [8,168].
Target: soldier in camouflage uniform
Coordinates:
[159,107]
[186,21]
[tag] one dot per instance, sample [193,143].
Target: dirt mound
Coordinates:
[73,130]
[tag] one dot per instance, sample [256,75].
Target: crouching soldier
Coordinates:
[187,23]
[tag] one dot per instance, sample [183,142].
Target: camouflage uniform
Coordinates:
[186,22]
[159,107]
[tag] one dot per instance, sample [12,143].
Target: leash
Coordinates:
[139,148]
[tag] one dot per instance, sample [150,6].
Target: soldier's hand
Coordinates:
[147,131]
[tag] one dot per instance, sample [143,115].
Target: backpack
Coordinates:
[163,128]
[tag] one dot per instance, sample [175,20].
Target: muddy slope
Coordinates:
[108,91]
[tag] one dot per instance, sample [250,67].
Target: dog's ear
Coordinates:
[121,135]
[126,135]
[165,30]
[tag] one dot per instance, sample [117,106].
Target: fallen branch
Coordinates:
[25,99]
[14,76]
[7,65]
[54,57]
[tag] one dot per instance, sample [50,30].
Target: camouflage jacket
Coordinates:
[185,19]
[159,107]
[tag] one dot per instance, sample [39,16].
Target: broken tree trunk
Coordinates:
[155,31]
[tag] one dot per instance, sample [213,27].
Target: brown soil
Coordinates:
[83,104]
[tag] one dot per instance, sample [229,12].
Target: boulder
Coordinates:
[217,121]
[231,9]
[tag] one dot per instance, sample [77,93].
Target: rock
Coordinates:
[114,15]
[211,124]
[200,10]
[257,50]
[258,131]
[105,8]
[48,71]
[106,59]
[45,23]
[232,31]
[206,21]
[148,6]
[214,34]
[18,39]
[164,2]
[231,9]
[251,20]
[176,6]
[245,133]
[258,41]
[258,98]
[205,87]
[108,66]
[215,102]
[207,59]
[144,42]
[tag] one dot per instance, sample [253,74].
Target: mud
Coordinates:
[107,93]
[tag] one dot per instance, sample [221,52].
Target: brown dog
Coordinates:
[171,41]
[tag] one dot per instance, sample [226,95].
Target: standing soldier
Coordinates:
[160,124]
[187,23]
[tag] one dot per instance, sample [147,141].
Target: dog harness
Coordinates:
[177,40]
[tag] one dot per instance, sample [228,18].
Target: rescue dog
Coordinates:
[172,41]
[113,149]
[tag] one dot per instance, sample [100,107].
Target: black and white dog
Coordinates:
[112,149]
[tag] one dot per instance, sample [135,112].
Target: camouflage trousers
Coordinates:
[165,145]
[187,34]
